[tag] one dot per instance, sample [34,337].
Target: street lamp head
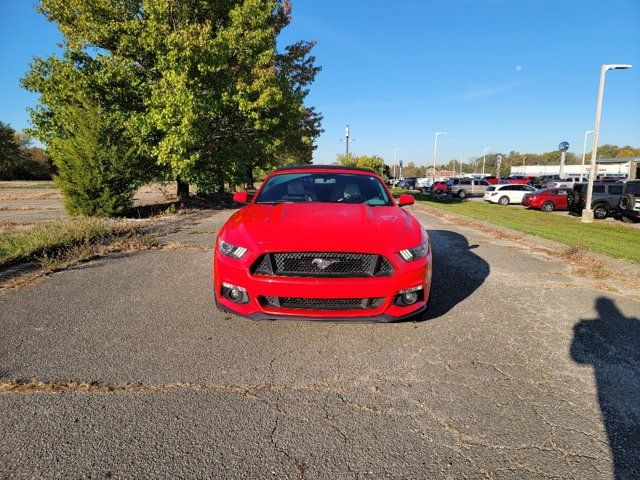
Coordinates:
[615,66]
[440,133]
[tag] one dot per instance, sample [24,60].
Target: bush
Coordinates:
[98,169]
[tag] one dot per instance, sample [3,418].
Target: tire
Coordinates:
[627,202]
[548,206]
[504,200]
[462,194]
[573,198]
[600,211]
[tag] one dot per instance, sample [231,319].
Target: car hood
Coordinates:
[323,227]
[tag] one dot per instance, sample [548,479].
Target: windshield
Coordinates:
[324,188]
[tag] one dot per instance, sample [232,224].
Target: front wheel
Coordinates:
[547,207]
[600,212]
[462,194]
[504,200]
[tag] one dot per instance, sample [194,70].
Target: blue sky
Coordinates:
[508,74]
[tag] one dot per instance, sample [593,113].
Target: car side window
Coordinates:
[484,182]
[465,182]
[598,189]
[615,189]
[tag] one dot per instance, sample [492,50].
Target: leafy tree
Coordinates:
[97,172]
[374,162]
[19,160]
[347,160]
[626,152]
[197,86]
[10,152]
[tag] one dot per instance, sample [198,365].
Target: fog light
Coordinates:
[234,293]
[409,296]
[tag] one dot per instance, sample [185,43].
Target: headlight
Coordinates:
[231,250]
[415,253]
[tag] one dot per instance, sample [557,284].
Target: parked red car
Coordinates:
[547,200]
[440,187]
[322,242]
[491,180]
[519,179]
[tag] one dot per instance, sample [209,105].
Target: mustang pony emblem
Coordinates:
[323,263]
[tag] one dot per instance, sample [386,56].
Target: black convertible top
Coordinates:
[324,167]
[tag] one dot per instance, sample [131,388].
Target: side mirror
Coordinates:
[405,199]
[241,197]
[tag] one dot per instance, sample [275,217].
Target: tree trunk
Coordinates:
[249,177]
[183,188]
[219,179]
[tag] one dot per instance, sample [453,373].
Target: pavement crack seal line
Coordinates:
[280,413]
[38,387]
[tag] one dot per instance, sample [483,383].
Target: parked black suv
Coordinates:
[605,199]
[409,183]
[629,204]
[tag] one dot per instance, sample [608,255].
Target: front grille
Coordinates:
[322,264]
[321,303]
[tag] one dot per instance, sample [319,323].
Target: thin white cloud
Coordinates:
[518,68]
[472,94]
[479,92]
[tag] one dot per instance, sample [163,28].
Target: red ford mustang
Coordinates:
[322,242]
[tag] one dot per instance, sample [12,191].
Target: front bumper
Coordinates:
[406,275]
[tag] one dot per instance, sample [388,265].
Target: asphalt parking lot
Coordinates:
[521,368]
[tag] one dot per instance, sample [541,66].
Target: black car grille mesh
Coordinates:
[321,303]
[322,264]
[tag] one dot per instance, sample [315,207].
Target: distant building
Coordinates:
[627,167]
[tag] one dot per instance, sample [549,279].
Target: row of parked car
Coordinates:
[620,200]
[611,196]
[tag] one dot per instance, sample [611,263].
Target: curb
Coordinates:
[625,267]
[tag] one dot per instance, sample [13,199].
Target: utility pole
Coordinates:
[484,157]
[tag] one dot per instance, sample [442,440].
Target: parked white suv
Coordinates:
[507,193]
[557,182]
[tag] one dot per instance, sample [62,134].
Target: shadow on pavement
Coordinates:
[611,344]
[457,272]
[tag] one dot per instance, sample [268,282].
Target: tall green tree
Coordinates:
[198,85]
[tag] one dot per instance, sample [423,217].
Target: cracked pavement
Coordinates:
[122,367]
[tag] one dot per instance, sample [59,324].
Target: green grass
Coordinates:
[47,239]
[613,239]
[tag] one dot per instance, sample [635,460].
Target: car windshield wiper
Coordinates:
[274,202]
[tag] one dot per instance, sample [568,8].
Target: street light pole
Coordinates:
[395,156]
[584,154]
[587,213]
[484,157]
[347,135]
[435,153]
